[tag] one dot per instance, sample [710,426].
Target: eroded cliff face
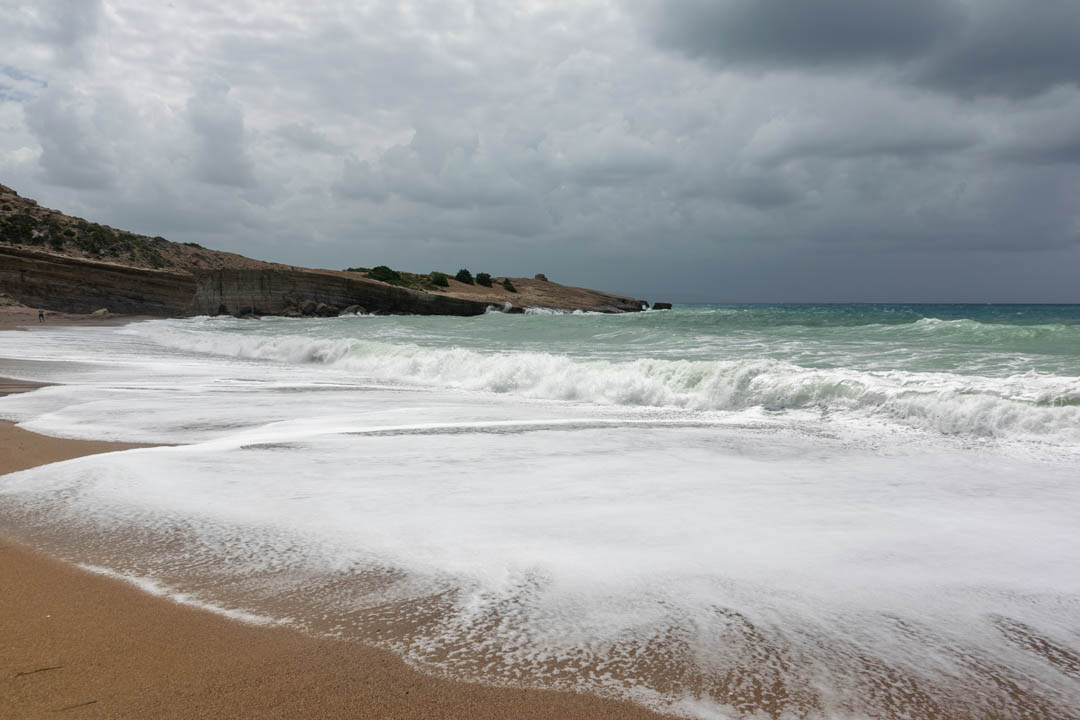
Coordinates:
[57,262]
[67,284]
[274,291]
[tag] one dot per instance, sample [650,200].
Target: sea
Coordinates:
[717,511]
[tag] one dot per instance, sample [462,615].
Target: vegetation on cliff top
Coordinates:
[90,239]
[432,281]
[25,223]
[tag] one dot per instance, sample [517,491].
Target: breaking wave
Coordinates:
[1021,406]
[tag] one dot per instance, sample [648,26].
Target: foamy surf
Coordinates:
[1031,405]
[596,503]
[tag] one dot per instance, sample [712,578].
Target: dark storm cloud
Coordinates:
[967,47]
[761,191]
[779,33]
[1013,49]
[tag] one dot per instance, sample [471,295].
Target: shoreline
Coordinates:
[79,641]
[22,318]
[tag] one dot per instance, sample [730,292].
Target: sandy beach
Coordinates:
[376,521]
[86,645]
[19,317]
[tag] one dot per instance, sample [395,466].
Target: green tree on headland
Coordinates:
[386,275]
[464,276]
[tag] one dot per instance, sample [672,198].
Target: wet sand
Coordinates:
[20,317]
[83,645]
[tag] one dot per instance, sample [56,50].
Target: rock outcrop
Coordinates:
[56,262]
[313,292]
[65,284]
[75,285]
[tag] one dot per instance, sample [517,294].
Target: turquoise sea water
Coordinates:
[827,511]
[963,338]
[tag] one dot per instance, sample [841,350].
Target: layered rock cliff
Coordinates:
[56,262]
[274,291]
[54,282]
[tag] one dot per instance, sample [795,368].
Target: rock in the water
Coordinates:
[354,310]
[292,313]
[308,307]
[661,306]
[103,312]
[324,310]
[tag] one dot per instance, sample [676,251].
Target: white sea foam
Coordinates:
[569,555]
[153,587]
[708,536]
[1023,406]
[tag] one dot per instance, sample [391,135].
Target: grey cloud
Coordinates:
[1046,133]
[75,152]
[65,29]
[18,86]
[966,47]
[603,155]
[863,130]
[762,191]
[220,150]
[1012,49]
[778,33]
[1059,144]
[307,137]
[437,167]
[810,155]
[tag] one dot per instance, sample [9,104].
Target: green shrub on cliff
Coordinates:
[483,279]
[440,279]
[386,275]
[19,229]
[508,286]
[464,276]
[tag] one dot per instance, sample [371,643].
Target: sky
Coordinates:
[694,151]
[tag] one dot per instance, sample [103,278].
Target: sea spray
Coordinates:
[832,511]
[1031,405]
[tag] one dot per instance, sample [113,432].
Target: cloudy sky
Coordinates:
[746,150]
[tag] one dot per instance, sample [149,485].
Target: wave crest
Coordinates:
[1031,405]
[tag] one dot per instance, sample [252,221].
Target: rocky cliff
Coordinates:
[64,284]
[276,291]
[53,261]
[76,285]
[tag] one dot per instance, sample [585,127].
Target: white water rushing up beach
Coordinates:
[716,512]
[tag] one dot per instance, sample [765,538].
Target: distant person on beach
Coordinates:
[41,316]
